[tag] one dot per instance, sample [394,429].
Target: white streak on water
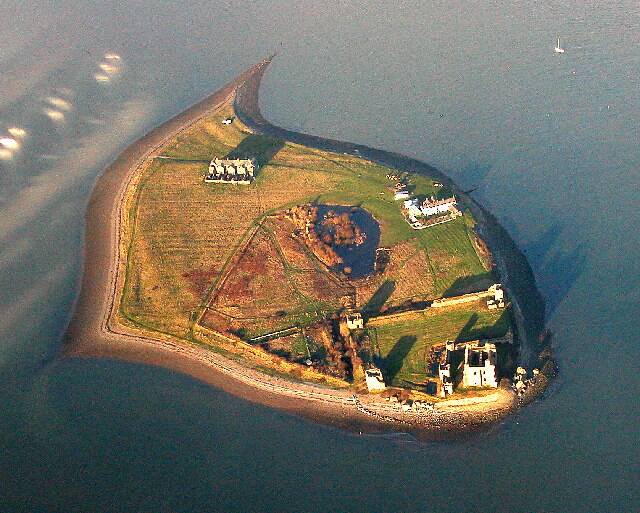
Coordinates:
[45,188]
[111,66]
[20,133]
[9,143]
[59,103]
[54,115]
[108,68]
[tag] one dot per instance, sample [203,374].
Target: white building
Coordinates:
[480,365]
[354,321]
[375,381]
[236,171]
[401,195]
[413,207]
[498,297]
[444,371]
[432,206]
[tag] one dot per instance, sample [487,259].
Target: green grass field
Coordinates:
[454,262]
[403,346]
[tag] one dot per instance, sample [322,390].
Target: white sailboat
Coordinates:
[558,48]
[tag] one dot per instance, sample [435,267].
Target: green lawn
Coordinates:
[454,261]
[403,346]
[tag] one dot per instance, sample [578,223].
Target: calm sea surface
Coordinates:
[474,88]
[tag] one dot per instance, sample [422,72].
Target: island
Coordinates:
[343,283]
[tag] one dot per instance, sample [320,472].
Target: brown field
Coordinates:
[321,287]
[310,277]
[408,273]
[293,249]
[186,231]
[281,186]
[413,278]
[179,245]
[264,290]
[257,286]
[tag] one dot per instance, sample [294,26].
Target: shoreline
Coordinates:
[92,331]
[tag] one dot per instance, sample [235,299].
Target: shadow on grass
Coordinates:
[380,297]
[258,147]
[467,329]
[469,284]
[472,332]
[395,358]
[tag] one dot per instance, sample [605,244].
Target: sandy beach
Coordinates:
[93,331]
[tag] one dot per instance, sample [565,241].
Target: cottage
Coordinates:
[375,381]
[432,206]
[480,365]
[402,194]
[236,171]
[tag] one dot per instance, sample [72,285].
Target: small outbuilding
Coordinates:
[444,371]
[375,381]
[354,321]
[498,296]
